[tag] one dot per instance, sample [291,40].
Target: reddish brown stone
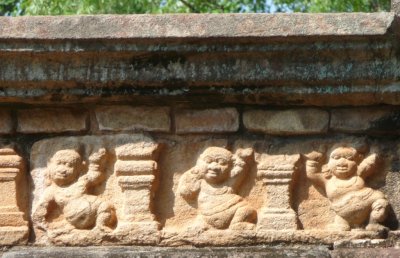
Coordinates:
[207,120]
[286,122]
[6,122]
[54,120]
[127,118]
[357,120]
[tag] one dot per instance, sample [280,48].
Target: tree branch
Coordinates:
[191,7]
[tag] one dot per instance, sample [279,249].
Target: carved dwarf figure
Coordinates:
[70,192]
[214,181]
[343,178]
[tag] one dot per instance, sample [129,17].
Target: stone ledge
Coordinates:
[306,251]
[265,59]
[256,251]
[194,26]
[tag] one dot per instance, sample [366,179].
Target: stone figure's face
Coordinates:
[217,164]
[342,162]
[64,166]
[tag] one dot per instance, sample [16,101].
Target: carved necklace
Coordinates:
[208,189]
[345,184]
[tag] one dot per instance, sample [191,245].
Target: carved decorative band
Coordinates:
[135,167]
[276,173]
[135,182]
[277,181]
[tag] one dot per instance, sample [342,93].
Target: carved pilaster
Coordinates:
[277,176]
[136,170]
[13,226]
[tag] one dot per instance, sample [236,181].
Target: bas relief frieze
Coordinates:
[214,181]
[69,188]
[133,189]
[343,179]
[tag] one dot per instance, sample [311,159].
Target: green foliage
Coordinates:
[56,7]
[8,7]
[214,6]
[59,7]
[333,5]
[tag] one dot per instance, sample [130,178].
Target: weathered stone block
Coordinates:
[127,118]
[54,120]
[287,122]
[207,121]
[6,122]
[358,120]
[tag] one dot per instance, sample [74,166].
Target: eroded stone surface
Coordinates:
[208,120]
[13,201]
[295,121]
[276,173]
[214,182]
[120,252]
[6,122]
[201,191]
[198,26]
[127,118]
[78,199]
[395,6]
[343,177]
[53,120]
[359,120]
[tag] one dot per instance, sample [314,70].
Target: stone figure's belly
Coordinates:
[219,210]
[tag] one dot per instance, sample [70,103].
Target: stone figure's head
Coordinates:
[65,166]
[215,163]
[343,162]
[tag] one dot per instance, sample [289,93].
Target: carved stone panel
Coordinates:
[342,174]
[126,189]
[94,189]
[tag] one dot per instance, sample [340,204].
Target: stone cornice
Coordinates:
[296,59]
[195,26]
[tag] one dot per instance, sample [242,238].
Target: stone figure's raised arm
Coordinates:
[190,183]
[313,167]
[95,174]
[367,166]
[41,210]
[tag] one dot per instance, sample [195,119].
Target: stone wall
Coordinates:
[200,130]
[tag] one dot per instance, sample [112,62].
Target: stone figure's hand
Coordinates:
[39,217]
[98,156]
[312,162]
[189,184]
[368,165]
